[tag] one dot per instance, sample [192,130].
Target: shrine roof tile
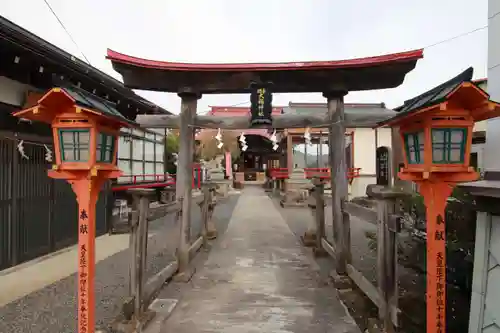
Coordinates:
[437,94]
[88,100]
[434,96]
[352,108]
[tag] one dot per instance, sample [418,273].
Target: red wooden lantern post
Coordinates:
[436,130]
[85,131]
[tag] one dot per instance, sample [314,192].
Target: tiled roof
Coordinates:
[436,95]
[87,100]
[352,108]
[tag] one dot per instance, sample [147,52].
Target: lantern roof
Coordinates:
[378,72]
[460,89]
[88,102]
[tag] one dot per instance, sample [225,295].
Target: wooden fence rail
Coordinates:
[142,292]
[385,294]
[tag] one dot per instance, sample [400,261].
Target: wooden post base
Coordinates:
[340,281]
[309,238]
[211,229]
[124,325]
[212,234]
[184,276]
[319,252]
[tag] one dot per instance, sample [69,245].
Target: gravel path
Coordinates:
[53,309]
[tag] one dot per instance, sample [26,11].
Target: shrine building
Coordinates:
[293,153]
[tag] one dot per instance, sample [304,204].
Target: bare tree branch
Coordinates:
[208,144]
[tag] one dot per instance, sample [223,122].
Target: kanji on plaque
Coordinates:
[83,322]
[83,258]
[84,229]
[440,292]
[439,235]
[83,292]
[83,215]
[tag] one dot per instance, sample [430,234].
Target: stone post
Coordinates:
[211,228]
[296,189]
[223,185]
[207,206]
[319,199]
[316,226]
[309,237]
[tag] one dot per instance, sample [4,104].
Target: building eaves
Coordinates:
[19,36]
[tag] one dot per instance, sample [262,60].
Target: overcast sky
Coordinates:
[267,31]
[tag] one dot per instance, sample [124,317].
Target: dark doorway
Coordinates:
[474,161]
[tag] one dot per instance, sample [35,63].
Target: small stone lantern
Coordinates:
[85,130]
[436,132]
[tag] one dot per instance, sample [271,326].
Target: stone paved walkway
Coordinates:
[258,278]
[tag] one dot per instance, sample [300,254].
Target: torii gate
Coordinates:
[333,78]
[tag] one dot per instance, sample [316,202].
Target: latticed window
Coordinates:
[105,148]
[414,144]
[448,145]
[75,144]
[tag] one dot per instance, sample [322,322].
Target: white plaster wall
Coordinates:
[492,161]
[480,126]
[358,186]
[485,299]
[384,137]
[366,141]
[364,151]
[479,149]
[13,92]
[364,158]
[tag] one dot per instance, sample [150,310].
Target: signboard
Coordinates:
[261,107]
[383,166]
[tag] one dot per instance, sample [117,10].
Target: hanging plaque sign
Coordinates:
[383,165]
[261,99]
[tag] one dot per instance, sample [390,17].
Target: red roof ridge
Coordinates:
[178,66]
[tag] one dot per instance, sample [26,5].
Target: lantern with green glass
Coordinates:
[437,145]
[85,129]
[84,143]
[436,130]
